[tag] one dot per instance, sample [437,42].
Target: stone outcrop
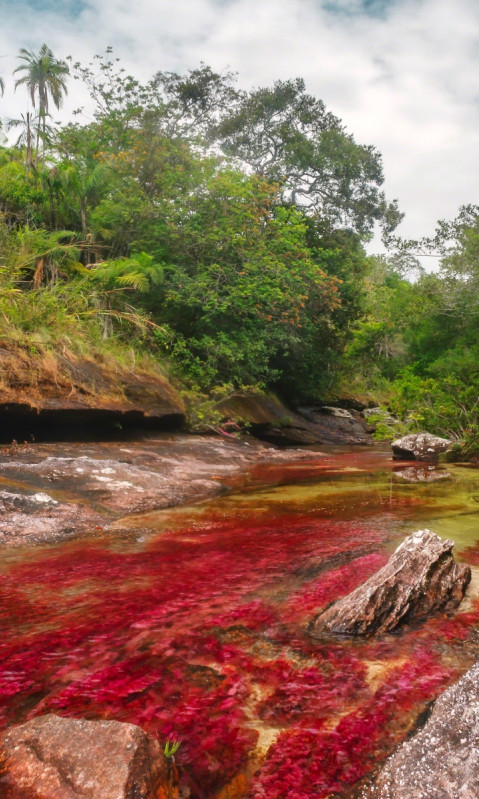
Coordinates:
[48,390]
[60,758]
[380,415]
[338,425]
[442,760]
[269,419]
[331,410]
[421,577]
[420,447]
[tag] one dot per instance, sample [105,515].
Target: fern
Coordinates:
[139,272]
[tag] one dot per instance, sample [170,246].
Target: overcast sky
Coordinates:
[401,74]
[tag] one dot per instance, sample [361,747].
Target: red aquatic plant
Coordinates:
[312,694]
[315,762]
[206,628]
[332,585]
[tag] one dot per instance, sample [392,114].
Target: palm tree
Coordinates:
[81,182]
[45,77]
[25,138]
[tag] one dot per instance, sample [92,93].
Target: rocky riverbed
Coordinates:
[51,492]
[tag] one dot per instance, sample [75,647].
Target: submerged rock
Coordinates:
[36,517]
[442,760]
[420,577]
[422,474]
[62,758]
[420,447]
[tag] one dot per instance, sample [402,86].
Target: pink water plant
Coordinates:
[205,629]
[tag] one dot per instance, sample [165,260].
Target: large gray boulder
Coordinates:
[420,577]
[60,758]
[442,760]
[420,447]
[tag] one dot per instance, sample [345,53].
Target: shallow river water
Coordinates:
[193,623]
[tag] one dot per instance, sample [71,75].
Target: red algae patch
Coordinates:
[316,594]
[314,762]
[202,635]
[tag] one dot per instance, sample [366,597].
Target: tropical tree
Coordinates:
[25,123]
[137,273]
[80,182]
[45,77]
[23,200]
[288,136]
[241,291]
[41,255]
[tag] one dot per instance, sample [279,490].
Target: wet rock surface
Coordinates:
[420,447]
[36,517]
[442,760]
[83,487]
[60,758]
[421,577]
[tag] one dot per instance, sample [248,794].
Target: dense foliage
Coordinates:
[227,223]
[222,232]
[418,343]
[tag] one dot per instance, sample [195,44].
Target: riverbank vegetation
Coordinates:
[222,233]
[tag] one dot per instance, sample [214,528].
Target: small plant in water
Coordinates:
[171,747]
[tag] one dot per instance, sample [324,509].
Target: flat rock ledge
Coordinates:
[420,447]
[61,758]
[51,492]
[442,760]
[421,577]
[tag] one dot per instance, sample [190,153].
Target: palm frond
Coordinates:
[139,272]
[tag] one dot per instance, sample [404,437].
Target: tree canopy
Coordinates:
[222,231]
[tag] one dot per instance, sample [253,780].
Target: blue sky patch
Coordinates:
[64,8]
[373,8]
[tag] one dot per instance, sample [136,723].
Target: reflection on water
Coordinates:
[194,621]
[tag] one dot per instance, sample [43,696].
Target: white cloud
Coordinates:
[404,80]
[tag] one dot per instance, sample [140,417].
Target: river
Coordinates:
[193,623]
